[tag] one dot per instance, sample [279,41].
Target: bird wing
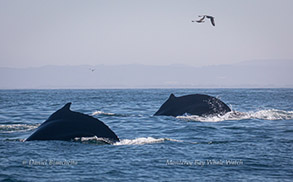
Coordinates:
[213,21]
[202,18]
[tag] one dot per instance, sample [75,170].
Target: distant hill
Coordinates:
[265,73]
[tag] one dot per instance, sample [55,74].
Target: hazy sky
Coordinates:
[156,32]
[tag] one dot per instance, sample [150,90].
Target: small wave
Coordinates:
[270,114]
[144,140]
[11,128]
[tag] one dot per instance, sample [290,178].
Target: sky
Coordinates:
[152,32]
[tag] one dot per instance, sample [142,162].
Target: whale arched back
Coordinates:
[195,104]
[65,124]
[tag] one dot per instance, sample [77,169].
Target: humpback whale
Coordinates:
[65,124]
[195,104]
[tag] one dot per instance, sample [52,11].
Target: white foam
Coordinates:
[83,139]
[144,140]
[103,113]
[136,141]
[11,128]
[270,114]
[93,139]
[139,141]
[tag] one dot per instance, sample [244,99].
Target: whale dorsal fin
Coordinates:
[59,114]
[66,106]
[172,96]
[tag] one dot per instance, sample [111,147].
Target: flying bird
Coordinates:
[212,19]
[92,69]
[200,20]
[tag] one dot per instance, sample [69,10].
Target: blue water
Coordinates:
[254,142]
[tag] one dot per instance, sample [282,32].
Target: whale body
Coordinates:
[65,124]
[195,104]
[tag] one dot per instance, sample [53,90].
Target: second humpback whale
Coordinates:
[195,104]
[65,124]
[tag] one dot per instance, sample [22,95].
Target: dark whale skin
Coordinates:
[195,104]
[65,124]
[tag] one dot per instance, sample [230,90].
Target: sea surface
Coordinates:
[254,142]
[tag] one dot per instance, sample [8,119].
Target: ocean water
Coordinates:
[253,142]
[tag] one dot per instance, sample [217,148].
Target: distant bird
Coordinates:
[92,69]
[200,20]
[212,19]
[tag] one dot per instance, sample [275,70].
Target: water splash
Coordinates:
[270,114]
